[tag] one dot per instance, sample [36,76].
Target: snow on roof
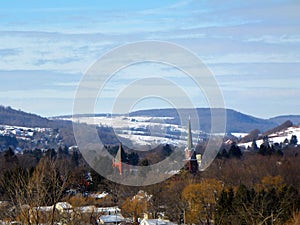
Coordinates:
[103,210]
[111,218]
[63,206]
[142,195]
[101,195]
[87,209]
[44,208]
[156,222]
[111,210]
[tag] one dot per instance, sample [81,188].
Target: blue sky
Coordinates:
[252,48]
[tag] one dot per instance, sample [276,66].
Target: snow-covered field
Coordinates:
[142,130]
[278,137]
[6,130]
[239,135]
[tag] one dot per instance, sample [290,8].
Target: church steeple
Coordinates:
[189,148]
[117,161]
[190,137]
[190,153]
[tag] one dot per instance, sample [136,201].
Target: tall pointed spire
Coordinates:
[190,137]
[117,161]
[189,148]
[118,157]
[190,153]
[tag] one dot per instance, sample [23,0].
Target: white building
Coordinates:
[156,222]
[111,219]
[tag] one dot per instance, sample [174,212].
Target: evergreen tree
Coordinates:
[265,148]
[293,140]
[167,150]
[223,154]
[286,141]
[235,151]
[10,156]
[133,159]
[254,145]
[75,158]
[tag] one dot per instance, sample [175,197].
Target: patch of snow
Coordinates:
[239,135]
[278,137]
[141,130]
[110,219]
[156,222]
[63,206]
[99,196]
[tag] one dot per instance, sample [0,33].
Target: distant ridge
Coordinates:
[13,117]
[236,121]
[295,119]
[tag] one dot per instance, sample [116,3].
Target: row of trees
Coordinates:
[34,180]
[272,202]
[210,201]
[251,189]
[266,148]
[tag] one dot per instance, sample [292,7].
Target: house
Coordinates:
[99,195]
[111,219]
[63,207]
[146,221]
[110,215]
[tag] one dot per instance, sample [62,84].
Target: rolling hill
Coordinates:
[13,117]
[295,119]
[236,121]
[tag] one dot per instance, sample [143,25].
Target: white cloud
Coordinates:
[254,58]
[283,39]
[6,52]
[67,84]
[51,51]
[258,40]
[37,94]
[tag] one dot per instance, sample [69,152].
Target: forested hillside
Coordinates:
[10,116]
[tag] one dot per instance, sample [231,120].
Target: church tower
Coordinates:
[190,153]
[117,161]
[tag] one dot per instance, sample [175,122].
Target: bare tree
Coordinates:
[29,190]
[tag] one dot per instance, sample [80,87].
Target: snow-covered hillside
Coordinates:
[28,137]
[151,131]
[142,130]
[278,137]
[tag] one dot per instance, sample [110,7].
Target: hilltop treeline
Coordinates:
[10,116]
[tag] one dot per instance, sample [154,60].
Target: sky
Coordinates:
[251,47]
